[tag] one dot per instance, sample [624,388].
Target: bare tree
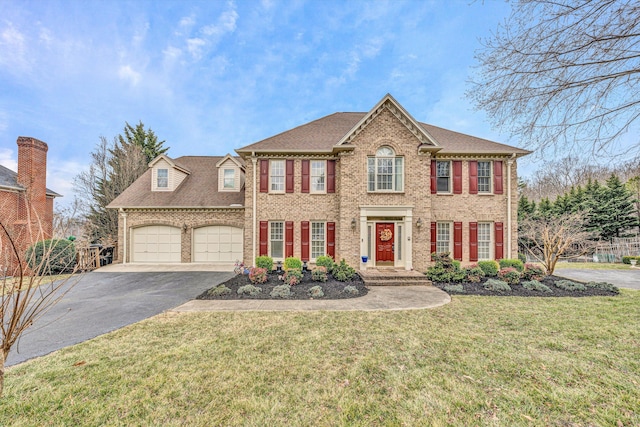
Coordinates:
[26,296]
[556,177]
[68,221]
[563,74]
[550,239]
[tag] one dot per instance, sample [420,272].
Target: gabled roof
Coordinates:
[237,162]
[199,188]
[388,102]
[9,181]
[169,160]
[334,132]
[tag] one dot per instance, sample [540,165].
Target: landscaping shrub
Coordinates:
[627,259]
[292,276]
[316,292]
[265,262]
[445,269]
[489,267]
[258,275]
[474,274]
[52,256]
[351,290]
[454,288]
[522,257]
[515,263]
[219,290]
[497,286]
[325,261]
[532,272]
[456,264]
[292,262]
[319,274]
[509,275]
[343,272]
[281,291]
[569,285]
[534,285]
[604,286]
[249,290]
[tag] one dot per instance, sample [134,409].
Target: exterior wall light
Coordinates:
[419,223]
[353,223]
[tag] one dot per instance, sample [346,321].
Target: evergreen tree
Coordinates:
[618,209]
[526,208]
[145,139]
[545,208]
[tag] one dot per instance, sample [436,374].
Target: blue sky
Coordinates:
[212,76]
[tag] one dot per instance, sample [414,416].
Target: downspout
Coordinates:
[254,161]
[124,236]
[509,219]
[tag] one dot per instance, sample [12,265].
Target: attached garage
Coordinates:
[217,244]
[156,244]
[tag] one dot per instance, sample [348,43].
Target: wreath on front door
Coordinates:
[385,235]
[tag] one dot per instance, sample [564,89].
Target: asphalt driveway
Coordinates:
[621,278]
[102,302]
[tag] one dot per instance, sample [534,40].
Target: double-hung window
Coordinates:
[443,176]
[317,239]
[276,240]
[484,177]
[162,178]
[385,171]
[276,178]
[229,179]
[443,237]
[484,240]
[318,172]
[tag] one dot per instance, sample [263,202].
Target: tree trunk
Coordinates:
[2,358]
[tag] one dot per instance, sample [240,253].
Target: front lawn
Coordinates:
[502,361]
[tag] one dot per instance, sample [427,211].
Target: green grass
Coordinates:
[499,361]
[593,265]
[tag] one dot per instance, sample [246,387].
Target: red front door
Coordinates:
[384,242]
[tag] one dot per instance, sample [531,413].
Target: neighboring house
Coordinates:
[377,184]
[26,204]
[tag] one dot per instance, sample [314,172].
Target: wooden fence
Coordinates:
[614,251]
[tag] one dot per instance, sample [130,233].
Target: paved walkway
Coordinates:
[621,278]
[378,298]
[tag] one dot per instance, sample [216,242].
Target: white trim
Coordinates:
[406,212]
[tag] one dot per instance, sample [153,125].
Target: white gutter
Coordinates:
[254,160]
[509,219]
[124,236]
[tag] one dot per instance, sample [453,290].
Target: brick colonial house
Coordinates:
[378,184]
[26,204]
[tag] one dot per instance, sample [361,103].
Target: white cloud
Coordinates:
[195,47]
[60,180]
[226,23]
[8,160]
[13,48]
[171,54]
[129,74]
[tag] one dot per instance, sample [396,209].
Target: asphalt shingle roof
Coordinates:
[324,133]
[199,188]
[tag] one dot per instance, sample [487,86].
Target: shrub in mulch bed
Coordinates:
[559,287]
[331,289]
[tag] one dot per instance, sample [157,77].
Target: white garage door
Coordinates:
[156,243]
[219,243]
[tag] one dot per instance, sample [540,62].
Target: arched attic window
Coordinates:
[385,171]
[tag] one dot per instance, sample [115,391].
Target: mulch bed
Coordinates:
[520,291]
[332,288]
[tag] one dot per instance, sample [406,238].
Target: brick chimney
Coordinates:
[32,175]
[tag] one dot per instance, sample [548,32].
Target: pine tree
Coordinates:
[618,209]
[145,139]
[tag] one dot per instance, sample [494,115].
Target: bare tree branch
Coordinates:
[563,74]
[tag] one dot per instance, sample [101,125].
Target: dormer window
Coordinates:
[162,178]
[229,179]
